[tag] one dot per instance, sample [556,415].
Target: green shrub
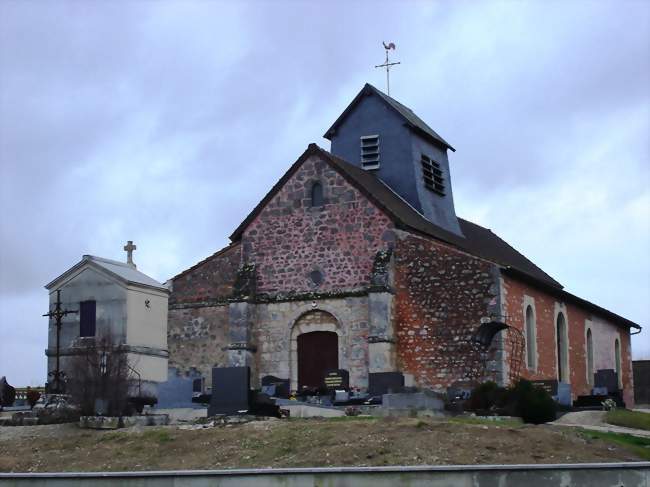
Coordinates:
[532,404]
[486,397]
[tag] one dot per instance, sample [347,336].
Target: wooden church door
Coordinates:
[318,351]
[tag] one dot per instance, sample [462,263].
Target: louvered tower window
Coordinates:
[370,152]
[432,174]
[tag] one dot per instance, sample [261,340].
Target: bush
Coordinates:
[533,404]
[486,397]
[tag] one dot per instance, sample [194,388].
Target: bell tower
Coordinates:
[379,134]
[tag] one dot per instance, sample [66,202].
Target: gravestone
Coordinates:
[7,393]
[559,391]
[177,390]
[380,383]
[606,378]
[336,379]
[275,386]
[230,390]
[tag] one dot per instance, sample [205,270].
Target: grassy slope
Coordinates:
[629,419]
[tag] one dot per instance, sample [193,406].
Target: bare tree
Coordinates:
[99,378]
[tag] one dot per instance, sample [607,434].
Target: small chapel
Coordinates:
[356,260]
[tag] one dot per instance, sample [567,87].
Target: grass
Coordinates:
[636,444]
[629,419]
[510,423]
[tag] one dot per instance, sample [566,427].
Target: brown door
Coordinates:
[318,351]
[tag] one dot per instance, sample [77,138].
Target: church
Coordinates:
[355,259]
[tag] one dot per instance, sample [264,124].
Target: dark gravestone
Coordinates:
[380,383]
[230,390]
[606,378]
[275,386]
[336,379]
[7,393]
[549,386]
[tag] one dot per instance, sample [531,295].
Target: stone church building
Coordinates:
[356,260]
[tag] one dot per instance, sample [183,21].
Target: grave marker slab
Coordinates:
[380,383]
[230,390]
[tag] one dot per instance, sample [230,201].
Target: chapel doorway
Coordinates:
[318,351]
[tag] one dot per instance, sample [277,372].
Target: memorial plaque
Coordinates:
[230,390]
[549,386]
[337,379]
[380,383]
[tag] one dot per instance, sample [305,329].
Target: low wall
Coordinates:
[587,475]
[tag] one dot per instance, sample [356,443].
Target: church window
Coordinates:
[370,152]
[617,358]
[432,174]
[87,316]
[317,194]
[590,357]
[531,344]
[561,336]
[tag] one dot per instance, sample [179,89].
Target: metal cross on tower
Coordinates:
[387,64]
[57,375]
[129,247]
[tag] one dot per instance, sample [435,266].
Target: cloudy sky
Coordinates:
[166,122]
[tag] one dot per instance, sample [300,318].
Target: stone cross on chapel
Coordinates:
[129,248]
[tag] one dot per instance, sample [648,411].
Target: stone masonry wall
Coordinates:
[209,280]
[197,326]
[289,239]
[517,295]
[441,296]
[196,337]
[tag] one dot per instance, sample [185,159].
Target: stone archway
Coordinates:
[313,325]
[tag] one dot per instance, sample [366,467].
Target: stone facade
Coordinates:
[442,294]
[290,239]
[398,300]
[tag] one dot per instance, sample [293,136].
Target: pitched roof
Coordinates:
[413,121]
[120,270]
[477,240]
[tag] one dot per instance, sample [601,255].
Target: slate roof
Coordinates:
[409,116]
[121,270]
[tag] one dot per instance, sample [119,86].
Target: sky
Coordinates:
[166,122]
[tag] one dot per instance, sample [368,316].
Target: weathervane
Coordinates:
[387,64]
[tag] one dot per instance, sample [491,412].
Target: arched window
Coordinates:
[617,357]
[562,349]
[531,342]
[317,194]
[590,357]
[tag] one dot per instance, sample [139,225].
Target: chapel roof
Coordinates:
[409,116]
[124,272]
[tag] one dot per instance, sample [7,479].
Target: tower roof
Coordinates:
[412,120]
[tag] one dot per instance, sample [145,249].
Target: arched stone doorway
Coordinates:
[316,345]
